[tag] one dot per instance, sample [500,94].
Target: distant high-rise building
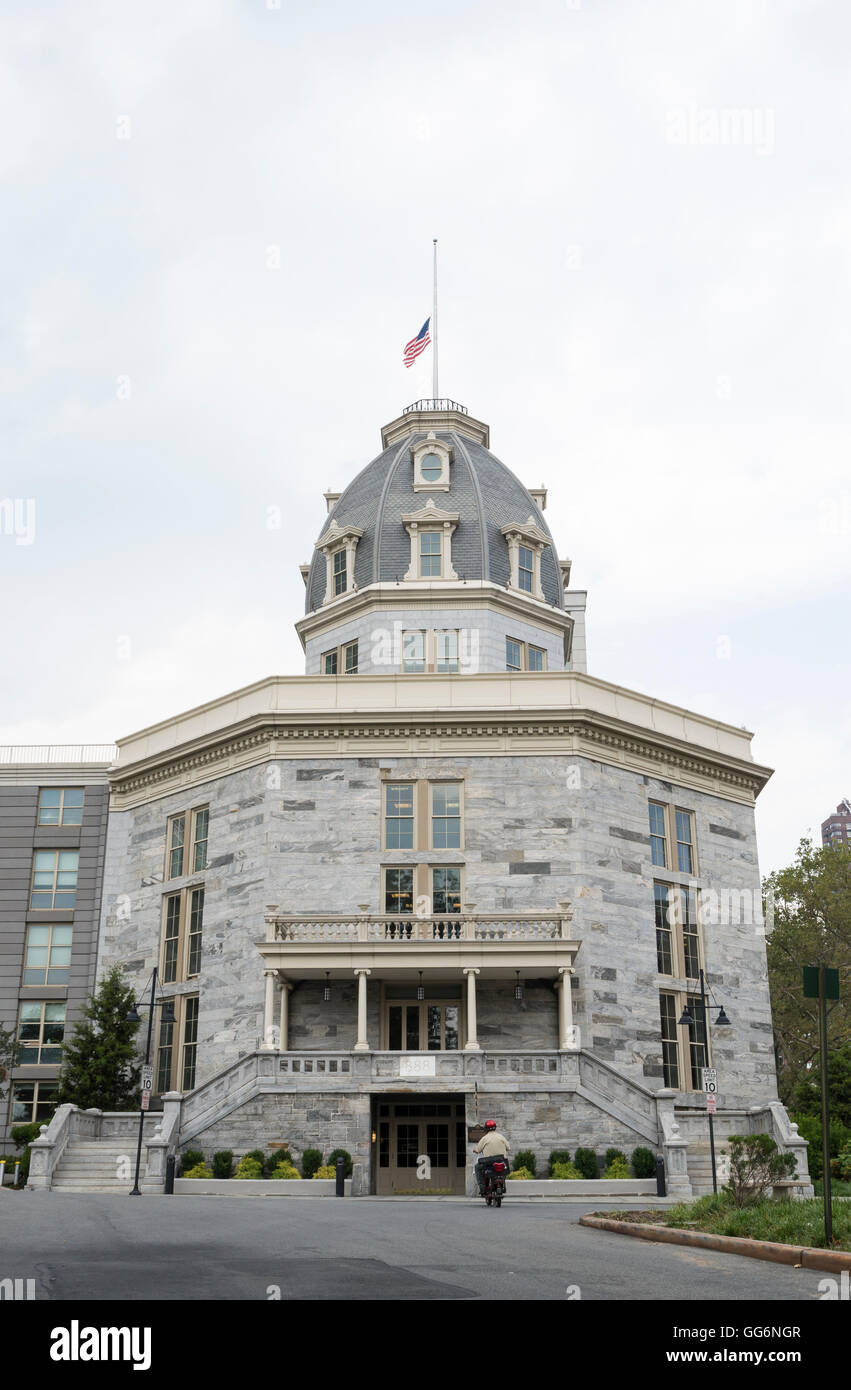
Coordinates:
[836,830]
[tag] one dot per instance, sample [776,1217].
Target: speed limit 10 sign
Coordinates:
[710,1080]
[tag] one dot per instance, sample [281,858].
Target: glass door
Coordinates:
[427,1026]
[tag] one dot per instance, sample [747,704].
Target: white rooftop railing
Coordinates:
[57,753]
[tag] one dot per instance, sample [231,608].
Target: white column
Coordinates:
[472,1043]
[285,987]
[269,1043]
[566,1036]
[362,1044]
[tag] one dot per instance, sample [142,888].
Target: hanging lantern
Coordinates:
[420,990]
[518,988]
[326,993]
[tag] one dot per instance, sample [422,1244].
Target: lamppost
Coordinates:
[722,1021]
[167,1016]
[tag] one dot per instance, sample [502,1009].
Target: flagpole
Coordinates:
[434,326]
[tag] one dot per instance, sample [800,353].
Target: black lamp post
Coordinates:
[167,1016]
[722,1021]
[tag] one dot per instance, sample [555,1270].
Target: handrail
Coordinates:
[441,403]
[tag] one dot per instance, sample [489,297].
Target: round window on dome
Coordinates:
[431,468]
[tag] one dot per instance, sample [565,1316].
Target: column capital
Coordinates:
[566,970]
[470,970]
[362,971]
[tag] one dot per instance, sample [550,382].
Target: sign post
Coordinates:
[822,983]
[147,1086]
[710,1087]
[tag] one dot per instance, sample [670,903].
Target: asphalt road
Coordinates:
[99,1246]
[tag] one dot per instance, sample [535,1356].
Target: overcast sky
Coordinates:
[217,238]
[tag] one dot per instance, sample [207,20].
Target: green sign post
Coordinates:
[822,983]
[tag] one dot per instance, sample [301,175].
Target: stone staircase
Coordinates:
[95,1166]
[700,1165]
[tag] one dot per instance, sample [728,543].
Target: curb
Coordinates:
[806,1256]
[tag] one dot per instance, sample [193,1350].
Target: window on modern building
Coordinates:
[177,1046]
[522,656]
[399,890]
[340,570]
[41,1032]
[413,652]
[657,835]
[446,816]
[54,880]
[33,1102]
[399,815]
[47,960]
[670,1043]
[685,850]
[183,921]
[430,554]
[199,826]
[446,890]
[525,568]
[447,652]
[60,806]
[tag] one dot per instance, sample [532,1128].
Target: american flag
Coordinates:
[417,345]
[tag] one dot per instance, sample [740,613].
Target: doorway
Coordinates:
[420,1146]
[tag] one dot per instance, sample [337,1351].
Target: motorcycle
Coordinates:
[493,1182]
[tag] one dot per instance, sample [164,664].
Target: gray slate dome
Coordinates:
[485,494]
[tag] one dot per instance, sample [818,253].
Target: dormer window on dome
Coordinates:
[526,542]
[338,545]
[430,531]
[432,464]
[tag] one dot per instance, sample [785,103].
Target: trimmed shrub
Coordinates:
[522,1174]
[22,1137]
[285,1170]
[644,1163]
[610,1155]
[756,1164]
[311,1159]
[276,1158]
[340,1153]
[190,1158]
[223,1163]
[258,1156]
[248,1167]
[557,1156]
[618,1168]
[586,1162]
[561,1171]
[526,1159]
[326,1171]
[24,1134]
[200,1170]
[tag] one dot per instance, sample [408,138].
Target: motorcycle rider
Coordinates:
[491,1145]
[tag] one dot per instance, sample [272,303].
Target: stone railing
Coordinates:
[372,927]
[69,1123]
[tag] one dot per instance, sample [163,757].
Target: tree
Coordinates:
[100,1067]
[806,1097]
[811,906]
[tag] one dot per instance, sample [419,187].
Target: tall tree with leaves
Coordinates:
[100,1066]
[811,906]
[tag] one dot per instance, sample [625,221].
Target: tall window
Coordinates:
[340,572]
[329,663]
[183,917]
[697,1041]
[691,939]
[190,1042]
[399,890]
[657,835]
[202,826]
[177,862]
[350,658]
[41,1032]
[664,940]
[677,931]
[447,652]
[513,654]
[413,652]
[33,1102]
[60,806]
[525,568]
[48,955]
[446,816]
[399,816]
[177,1047]
[536,659]
[685,855]
[670,1049]
[430,554]
[446,890]
[54,882]
[176,844]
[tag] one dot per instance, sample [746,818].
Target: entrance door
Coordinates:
[427,1026]
[421,1148]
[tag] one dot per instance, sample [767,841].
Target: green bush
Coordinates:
[844,1163]
[326,1171]
[223,1163]
[22,1137]
[340,1153]
[809,1128]
[285,1170]
[190,1158]
[610,1155]
[258,1156]
[200,1170]
[277,1157]
[526,1159]
[562,1171]
[557,1156]
[756,1164]
[522,1174]
[248,1167]
[24,1134]
[311,1159]
[644,1163]
[586,1162]
[618,1168]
